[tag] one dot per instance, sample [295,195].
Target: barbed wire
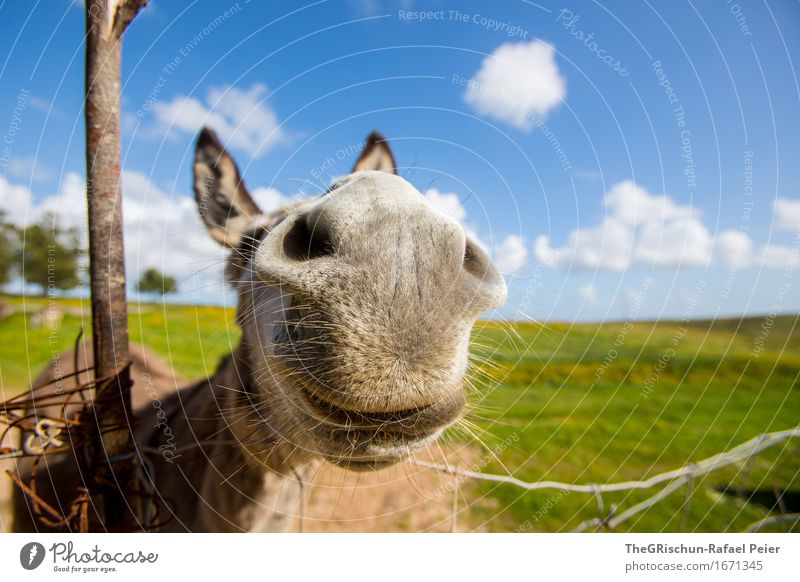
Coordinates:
[52,420]
[674,480]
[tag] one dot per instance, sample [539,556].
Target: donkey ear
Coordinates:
[376,155]
[223,202]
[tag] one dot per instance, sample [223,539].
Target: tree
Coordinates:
[49,255]
[8,249]
[154,281]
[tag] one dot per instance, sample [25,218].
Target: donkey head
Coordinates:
[356,307]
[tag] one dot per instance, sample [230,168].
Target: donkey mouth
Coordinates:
[417,422]
[365,441]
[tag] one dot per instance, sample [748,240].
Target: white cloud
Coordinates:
[787,214]
[69,204]
[269,199]
[240,116]
[736,249]
[639,229]
[607,246]
[511,255]
[776,257]
[588,293]
[544,252]
[633,205]
[642,229]
[516,83]
[447,203]
[678,243]
[15,200]
[29,169]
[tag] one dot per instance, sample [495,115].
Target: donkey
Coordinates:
[355,308]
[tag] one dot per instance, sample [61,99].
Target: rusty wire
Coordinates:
[78,430]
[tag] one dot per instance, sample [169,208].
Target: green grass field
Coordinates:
[582,403]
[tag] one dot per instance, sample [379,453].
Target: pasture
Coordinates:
[585,403]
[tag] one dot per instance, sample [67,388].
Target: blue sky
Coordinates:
[619,159]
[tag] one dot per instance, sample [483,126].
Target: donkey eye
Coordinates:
[302,243]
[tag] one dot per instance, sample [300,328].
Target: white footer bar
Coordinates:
[402,557]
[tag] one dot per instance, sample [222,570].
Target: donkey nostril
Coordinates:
[472,260]
[304,242]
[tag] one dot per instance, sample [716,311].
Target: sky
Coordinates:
[618,160]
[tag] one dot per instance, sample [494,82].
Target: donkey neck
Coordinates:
[218,436]
[247,425]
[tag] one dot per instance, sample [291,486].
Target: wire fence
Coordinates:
[671,481]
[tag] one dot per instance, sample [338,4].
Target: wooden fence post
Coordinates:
[106,21]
